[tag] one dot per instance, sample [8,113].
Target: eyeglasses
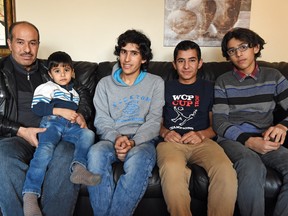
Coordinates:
[241,48]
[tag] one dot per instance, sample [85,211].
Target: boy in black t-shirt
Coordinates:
[187,135]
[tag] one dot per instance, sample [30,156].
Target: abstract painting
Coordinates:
[203,21]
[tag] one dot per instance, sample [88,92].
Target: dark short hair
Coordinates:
[186,45]
[57,58]
[136,37]
[13,25]
[245,35]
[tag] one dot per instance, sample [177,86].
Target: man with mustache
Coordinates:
[20,73]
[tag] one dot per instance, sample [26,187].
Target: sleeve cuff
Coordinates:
[242,138]
[285,123]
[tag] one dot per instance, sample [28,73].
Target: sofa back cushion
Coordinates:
[85,73]
[162,68]
[89,73]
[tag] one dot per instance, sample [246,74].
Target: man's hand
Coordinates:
[123,146]
[192,137]
[276,133]
[81,121]
[30,134]
[258,144]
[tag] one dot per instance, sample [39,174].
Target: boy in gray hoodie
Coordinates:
[128,115]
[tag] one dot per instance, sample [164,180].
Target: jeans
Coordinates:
[57,128]
[172,159]
[251,173]
[59,194]
[108,199]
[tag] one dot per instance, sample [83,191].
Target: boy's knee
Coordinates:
[252,167]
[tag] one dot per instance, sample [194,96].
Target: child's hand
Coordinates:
[68,114]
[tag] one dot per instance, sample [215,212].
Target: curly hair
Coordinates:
[135,37]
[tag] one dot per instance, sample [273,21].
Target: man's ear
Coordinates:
[9,44]
[200,63]
[174,65]
[256,49]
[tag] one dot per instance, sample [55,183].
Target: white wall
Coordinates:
[87,29]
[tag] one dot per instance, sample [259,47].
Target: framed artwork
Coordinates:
[7,17]
[203,21]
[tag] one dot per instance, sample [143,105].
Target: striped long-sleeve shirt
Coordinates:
[49,95]
[244,107]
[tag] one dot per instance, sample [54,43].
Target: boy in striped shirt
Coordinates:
[57,101]
[245,99]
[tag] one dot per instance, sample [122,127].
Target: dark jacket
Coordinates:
[8,97]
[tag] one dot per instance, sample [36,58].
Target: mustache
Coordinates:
[26,54]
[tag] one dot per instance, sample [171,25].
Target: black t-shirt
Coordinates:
[187,107]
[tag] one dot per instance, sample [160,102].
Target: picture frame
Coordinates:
[205,22]
[7,17]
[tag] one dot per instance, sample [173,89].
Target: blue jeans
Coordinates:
[59,194]
[58,128]
[251,173]
[108,199]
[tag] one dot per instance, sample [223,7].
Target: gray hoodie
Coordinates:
[129,110]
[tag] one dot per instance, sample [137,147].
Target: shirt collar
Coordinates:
[242,76]
[139,78]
